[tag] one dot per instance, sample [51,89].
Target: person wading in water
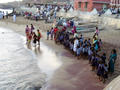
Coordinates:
[39,36]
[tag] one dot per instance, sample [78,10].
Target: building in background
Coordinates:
[115,3]
[52,2]
[89,5]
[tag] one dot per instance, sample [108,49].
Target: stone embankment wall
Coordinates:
[111,22]
[104,21]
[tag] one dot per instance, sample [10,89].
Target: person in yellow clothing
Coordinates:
[54,23]
[95,37]
[39,36]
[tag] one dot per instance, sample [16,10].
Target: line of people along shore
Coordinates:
[85,48]
[80,46]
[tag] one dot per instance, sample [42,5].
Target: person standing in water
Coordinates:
[7,15]
[27,32]
[3,15]
[48,33]
[39,36]
[34,39]
[14,18]
[32,28]
[52,33]
[29,40]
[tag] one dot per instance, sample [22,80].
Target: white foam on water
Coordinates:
[18,65]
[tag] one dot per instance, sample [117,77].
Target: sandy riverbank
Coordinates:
[73,74]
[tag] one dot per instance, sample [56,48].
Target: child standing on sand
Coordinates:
[100,44]
[55,32]
[48,34]
[89,43]
[79,51]
[103,58]
[52,33]
[90,54]
[81,39]
[93,62]
[76,43]
[105,74]
[100,70]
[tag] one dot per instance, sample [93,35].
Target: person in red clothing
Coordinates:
[55,31]
[64,29]
[74,27]
[68,23]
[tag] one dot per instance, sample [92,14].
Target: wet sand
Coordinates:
[73,74]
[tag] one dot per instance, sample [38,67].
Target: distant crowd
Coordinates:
[46,12]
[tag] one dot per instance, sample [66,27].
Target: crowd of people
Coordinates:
[80,46]
[3,15]
[31,36]
[45,12]
[88,48]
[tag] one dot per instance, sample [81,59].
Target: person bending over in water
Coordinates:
[34,39]
[29,40]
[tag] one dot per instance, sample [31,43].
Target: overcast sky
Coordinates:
[6,1]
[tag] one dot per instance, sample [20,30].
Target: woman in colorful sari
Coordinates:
[27,31]
[112,59]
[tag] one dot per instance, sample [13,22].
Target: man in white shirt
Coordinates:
[14,18]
